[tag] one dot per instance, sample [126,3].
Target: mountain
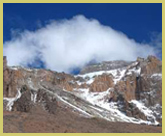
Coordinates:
[110,93]
[105,66]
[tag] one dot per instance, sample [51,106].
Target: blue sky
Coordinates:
[141,22]
[138,21]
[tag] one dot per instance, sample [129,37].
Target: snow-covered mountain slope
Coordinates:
[100,100]
[129,93]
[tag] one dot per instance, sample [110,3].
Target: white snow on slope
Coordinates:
[12,100]
[92,97]
[117,74]
[156,75]
[149,113]
[101,99]
[92,74]
[134,70]
[34,97]
[74,107]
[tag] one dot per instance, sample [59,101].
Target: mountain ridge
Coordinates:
[125,92]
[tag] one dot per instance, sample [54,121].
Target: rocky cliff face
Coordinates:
[116,91]
[102,83]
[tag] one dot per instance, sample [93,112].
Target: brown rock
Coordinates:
[102,83]
[127,88]
[24,103]
[150,66]
[4,63]
[83,85]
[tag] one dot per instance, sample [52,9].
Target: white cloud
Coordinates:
[65,44]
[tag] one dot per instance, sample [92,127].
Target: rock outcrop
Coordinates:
[9,80]
[102,83]
[150,65]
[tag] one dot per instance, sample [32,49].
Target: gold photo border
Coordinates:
[73,1]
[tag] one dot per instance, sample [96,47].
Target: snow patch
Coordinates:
[12,100]
[73,106]
[116,73]
[137,71]
[101,99]
[34,97]
[148,113]
[92,97]
[156,75]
